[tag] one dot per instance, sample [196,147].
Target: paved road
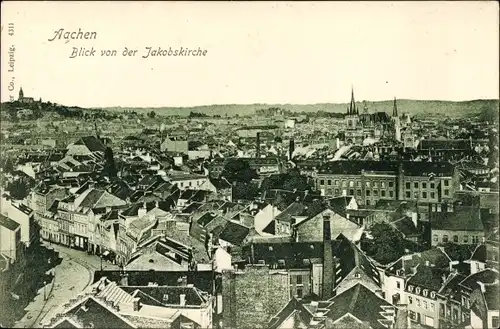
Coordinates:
[71,277]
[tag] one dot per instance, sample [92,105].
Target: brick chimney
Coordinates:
[257,153]
[328,266]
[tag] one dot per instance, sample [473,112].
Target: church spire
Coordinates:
[21,93]
[395,109]
[352,106]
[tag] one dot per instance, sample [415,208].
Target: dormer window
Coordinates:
[410,288]
[417,290]
[425,292]
[357,275]
[433,294]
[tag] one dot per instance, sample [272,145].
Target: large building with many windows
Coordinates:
[370,181]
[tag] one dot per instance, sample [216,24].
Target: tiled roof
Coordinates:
[92,143]
[8,223]
[294,209]
[234,233]
[93,312]
[113,293]
[170,295]
[462,219]
[488,276]
[409,168]
[360,302]
[428,277]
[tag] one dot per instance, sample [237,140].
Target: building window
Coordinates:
[475,239]
[368,202]
[418,302]
[408,195]
[415,185]
[425,304]
[432,307]
[445,238]
[336,191]
[375,193]
[367,184]
[382,194]
[438,207]
[435,238]
[359,192]
[322,182]
[455,238]
[391,194]
[446,183]
[351,183]
[408,186]
[367,192]
[495,321]
[344,183]
[466,239]
[375,184]
[299,292]
[398,285]
[433,195]
[391,184]
[424,185]
[299,279]
[446,192]
[432,185]
[424,195]
[410,300]
[358,184]
[351,192]
[329,182]
[336,183]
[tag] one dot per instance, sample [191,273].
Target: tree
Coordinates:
[245,191]
[19,189]
[109,166]
[238,170]
[152,114]
[387,244]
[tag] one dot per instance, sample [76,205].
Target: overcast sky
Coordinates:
[256,52]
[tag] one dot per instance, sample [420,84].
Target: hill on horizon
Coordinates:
[412,107]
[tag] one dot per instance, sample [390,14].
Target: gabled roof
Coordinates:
[169,295]
[234,233]
[294,209]
[92,143]
[487,276]
[361,303]
[92,311]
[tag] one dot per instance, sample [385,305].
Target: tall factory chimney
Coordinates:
[328,266]
[291,148]
[258,145]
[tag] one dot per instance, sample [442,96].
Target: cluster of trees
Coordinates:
[20,188]
[197,115]
[239,173]
[387,244]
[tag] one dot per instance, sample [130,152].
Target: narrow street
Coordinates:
[71,276]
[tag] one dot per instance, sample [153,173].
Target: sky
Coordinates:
[275,53]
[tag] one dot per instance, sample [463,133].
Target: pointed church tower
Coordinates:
[395,109]
[395,118]
[21,93]
[352,106]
